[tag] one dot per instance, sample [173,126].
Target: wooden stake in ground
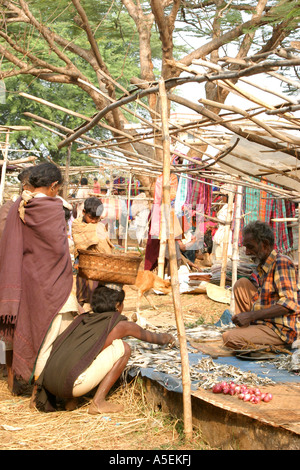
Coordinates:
[235,245]
[185,368]
[226,239]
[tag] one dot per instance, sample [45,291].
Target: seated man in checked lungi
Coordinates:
[267,307]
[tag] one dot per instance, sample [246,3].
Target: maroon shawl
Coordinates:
[35,277]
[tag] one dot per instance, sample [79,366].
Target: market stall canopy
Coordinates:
[254,160]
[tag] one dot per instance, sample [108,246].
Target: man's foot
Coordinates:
[104,407]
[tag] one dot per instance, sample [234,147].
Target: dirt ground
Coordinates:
[196,308]
[138,427]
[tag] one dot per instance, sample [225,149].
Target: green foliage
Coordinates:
[233,17]
[118,42]
[286,10]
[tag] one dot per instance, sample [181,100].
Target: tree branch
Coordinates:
[222,40]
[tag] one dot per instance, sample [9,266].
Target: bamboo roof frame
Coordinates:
[136,162]
[285,143]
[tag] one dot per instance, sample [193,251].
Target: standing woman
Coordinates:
[35,274]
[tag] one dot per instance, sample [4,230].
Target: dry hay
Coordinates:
[137,427]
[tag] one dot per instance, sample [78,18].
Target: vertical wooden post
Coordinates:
[185,370]
[67,172]
[235,246]
[226,239]
[4,166]
[298,246]
[127,218]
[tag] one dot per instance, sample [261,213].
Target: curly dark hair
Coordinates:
[260,231]
[93,206]
[105,299]
[45,174]
[23,176]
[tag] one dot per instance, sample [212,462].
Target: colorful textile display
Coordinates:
[262,205]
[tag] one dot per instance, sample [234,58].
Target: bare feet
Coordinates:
[32,403]
[104,407]
[71,404]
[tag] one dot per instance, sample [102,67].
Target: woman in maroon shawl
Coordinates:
[35,270]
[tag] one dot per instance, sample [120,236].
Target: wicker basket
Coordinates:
[114,268]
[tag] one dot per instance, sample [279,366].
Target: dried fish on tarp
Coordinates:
[287,362]
[204,373]
[228,371]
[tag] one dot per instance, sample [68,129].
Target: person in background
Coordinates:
[89,233]
[267,306]
[219,236]
[140,213]
[23,177]
[82,193]
[96,186]
[107,185]
[91,353]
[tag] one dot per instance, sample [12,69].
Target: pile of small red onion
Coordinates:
[253,395]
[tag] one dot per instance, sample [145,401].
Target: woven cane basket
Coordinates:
[115,268]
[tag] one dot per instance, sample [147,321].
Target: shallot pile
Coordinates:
[253,395]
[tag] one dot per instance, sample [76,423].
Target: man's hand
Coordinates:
[245,318]
[242,319]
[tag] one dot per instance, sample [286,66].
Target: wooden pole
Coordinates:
[235,247]
[226,239]
[67,173]
[164,217]
[4,166]
[298,247]
[127,218]
[185,372]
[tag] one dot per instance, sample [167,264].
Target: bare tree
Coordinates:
[162,15]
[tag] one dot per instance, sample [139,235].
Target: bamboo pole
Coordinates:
[226,240]
[252,137]
[298,248]
[4,166]
[186,381]
[74,113]
[21,160]
[127,218]
[67,173]
[235,246]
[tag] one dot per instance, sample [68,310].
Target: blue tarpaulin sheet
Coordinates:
[261,368]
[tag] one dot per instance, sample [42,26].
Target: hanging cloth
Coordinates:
[156,208]
[181,193]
